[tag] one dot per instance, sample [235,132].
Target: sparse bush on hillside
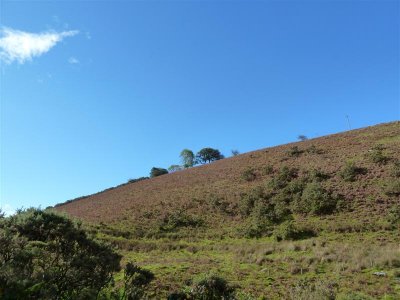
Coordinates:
[314,150]
[392,188]
[249,174]
[268,170]
[295,151]
[211,287]
[157,172]
[376,155]
[350,171]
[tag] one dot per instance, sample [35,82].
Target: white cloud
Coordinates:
[73,60]
[21,46]
[7,209]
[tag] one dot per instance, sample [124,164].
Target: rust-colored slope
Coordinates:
[223,178]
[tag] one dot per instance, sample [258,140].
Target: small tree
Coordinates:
[235,152]
[302,137]
[157,172]
[174,168]
[207,155]
[187,158]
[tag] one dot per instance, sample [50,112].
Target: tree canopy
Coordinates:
[207,155]
[187,158]
[154,172]
[47,256]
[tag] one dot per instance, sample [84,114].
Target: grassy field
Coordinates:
[306,220]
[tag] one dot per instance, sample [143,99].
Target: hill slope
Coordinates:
[333,195]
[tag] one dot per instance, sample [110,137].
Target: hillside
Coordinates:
[322,210]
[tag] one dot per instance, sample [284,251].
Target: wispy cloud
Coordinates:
[73,60]
[21,46]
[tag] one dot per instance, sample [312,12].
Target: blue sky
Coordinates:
[96,92]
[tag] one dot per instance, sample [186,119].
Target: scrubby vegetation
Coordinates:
[320,221]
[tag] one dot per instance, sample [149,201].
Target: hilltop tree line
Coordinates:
[189,159]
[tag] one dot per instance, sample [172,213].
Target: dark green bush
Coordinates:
[136,281]
[47,256]
[249,174]
[350,171]
[315,200]
[179,219]
[248,200]
[154,172]
[284,176]
[211,287]
[286,231]
[295,151]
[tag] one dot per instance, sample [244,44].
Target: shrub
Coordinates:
[284,176]
[211,287]
[179,219]
[314,150]
[47,256]
[249,174]
[392,188]
[350,171]
[286,231]
[295,151]
[317,175]
[154,172]
[315,200]
[136,280]
[376,155]
[269,169]
[248,200]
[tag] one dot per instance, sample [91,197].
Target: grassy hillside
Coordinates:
[320,216]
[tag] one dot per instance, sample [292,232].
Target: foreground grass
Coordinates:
[267,269]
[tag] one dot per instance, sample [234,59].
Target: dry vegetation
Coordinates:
[318,217]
